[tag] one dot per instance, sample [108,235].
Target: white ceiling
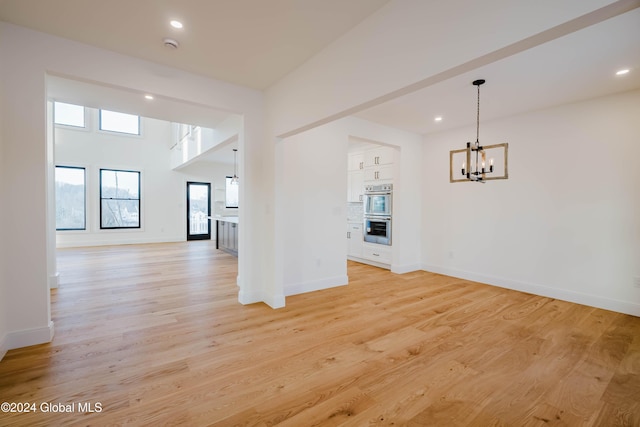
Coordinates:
[578,66]
[256,42]
[252,43]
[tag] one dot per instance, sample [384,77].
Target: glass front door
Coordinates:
[198,211]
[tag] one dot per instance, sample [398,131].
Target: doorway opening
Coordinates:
[198,211]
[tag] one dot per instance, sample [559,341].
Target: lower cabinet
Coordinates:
[361,251]
[377,253]
[354,239]
[227,237]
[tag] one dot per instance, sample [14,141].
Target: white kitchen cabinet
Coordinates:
[378,156]
[377,253]
[355,186]
[378,165]
[354,239]
[356,161]
[378,174]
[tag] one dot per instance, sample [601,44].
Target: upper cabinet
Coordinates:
[355,186]
[378,165]
[356,161]
[380,174]
[371,165]
[378,156]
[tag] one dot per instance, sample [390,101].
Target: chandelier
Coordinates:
[476,156]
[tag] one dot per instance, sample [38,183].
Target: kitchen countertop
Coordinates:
[233,219]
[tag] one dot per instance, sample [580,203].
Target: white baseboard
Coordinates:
[121,241]
[3,347]
[408,268]
[27,338]
[246,298]
[54,281]
[369,262]
[591,300]
[273,301]
[315,285]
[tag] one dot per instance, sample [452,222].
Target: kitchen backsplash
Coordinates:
[355,211]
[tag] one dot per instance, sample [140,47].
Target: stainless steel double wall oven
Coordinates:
[378,201]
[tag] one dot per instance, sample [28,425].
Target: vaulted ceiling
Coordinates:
[255,43]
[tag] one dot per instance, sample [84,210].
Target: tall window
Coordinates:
[119,122]
[231,194]
[119,199]
[70,198]
[68,114]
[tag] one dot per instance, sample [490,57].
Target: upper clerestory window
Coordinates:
[113,121]
[68,114]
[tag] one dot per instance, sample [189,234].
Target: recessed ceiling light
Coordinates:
[176,24]
[149,97]
[622,72]
[438,118]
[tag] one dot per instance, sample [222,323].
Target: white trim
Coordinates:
[315,285]
[246,298]
[27,338]
[407,268]
[369,262]
[275,301]
[591,300]
[102,242]
[54,280]
[4,347]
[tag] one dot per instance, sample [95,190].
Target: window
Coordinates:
[231,194]
[70,198]
[119,199]
[68,114]
[119,122]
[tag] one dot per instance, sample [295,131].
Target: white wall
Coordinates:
[565,224]
[26,287]
[312,198]
[27,58]
[4,192]
[163,191]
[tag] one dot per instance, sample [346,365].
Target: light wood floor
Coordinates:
[154,334]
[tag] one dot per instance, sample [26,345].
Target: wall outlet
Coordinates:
[451,254]
[636,282]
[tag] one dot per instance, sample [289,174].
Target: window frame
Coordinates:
[67,125]
[84,170]
[227,184]
[101,129]
[139,199]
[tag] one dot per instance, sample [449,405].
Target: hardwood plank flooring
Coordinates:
[154,335]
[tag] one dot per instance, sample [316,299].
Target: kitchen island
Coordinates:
[227,234]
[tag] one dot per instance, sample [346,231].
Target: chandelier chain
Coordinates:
[478,117]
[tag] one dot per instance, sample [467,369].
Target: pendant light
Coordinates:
[234,179]
[476,157]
